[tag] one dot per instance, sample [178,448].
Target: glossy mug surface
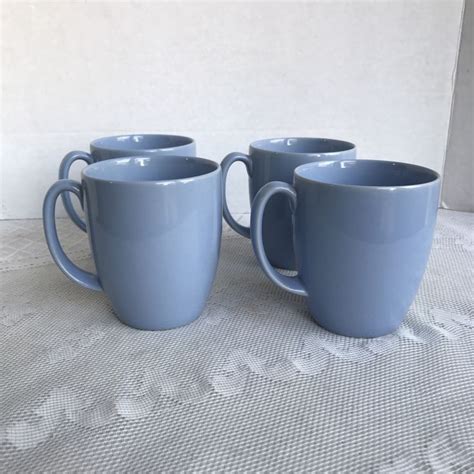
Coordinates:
[363,233]
[107,148]
[275,160]
[154,227]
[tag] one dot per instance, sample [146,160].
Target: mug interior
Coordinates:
[142,142]
[150,169]
[366,173]
[303,145]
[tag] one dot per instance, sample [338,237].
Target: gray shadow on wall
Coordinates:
[458,186]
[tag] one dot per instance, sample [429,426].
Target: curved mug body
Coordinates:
[275,159]
[107,148]
[154,226]
[363,233]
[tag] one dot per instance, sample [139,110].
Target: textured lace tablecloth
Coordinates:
[252,385]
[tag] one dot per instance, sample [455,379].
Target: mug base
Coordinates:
[148,327]
[154,326]
[358,333]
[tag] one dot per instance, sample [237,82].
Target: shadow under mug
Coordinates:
[363,233]
[275,159]
[154,227]
[107,148]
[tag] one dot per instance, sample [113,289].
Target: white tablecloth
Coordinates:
[252,385]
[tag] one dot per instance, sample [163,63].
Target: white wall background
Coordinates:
[378,73]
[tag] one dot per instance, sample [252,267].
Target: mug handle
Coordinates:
[293,284]
[72,271]
[225,165]
[64,168]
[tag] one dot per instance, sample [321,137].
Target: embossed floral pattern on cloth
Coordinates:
[252,385]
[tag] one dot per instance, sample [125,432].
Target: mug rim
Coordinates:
[96,143]
[260,146]
[115,161]
[434,174]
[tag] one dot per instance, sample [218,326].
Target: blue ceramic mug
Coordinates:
[362,234]
[122,146]
[275,160]
[154,226]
